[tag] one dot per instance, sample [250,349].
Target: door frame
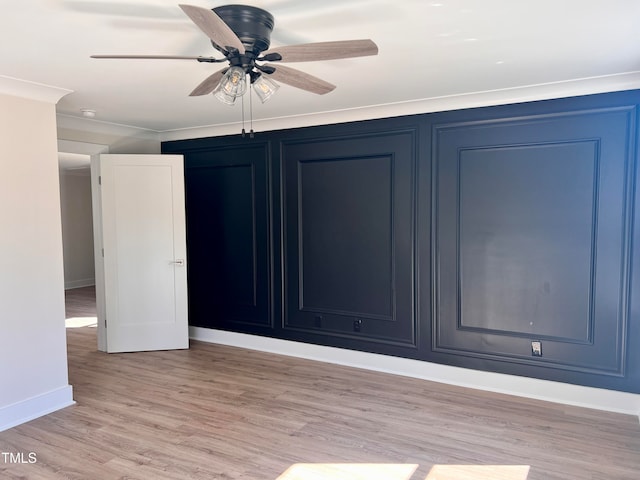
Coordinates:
[96,200]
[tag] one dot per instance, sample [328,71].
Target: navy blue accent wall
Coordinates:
[503,238]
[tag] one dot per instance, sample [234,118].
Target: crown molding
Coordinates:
[31,90]
[527,93]
[101,127]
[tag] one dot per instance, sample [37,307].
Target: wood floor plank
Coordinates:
[228,413]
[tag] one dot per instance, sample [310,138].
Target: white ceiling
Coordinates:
[428,49]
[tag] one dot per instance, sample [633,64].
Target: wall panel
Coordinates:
[227,235]
[531,221]
[348,230]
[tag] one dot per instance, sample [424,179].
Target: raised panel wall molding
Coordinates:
[348,229]
[228,236]
[502,239]
[531,239]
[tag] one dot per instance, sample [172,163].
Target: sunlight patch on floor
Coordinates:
[402,471]
[478,472]
[77,322]
[348,471]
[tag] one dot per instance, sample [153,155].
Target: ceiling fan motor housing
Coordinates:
[252,25]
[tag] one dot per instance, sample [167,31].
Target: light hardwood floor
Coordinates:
[218,412]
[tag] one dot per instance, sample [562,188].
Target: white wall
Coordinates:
[77,228]
[32,332]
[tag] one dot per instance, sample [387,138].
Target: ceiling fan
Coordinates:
[242,34]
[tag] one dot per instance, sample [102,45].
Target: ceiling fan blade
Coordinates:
[153,57]
[214,27]
[209,84]
[311,52]
[298,79]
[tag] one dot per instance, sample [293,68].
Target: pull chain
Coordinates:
[243,132]
[251,113]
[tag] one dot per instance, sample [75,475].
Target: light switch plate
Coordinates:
[536,348]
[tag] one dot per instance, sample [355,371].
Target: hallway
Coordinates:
[80,307]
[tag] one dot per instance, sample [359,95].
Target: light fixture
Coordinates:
[264,88]
[232,85]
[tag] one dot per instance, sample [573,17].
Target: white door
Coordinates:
[141,272]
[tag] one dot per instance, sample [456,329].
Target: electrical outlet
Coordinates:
[357,325]
[318,321]
[536,348]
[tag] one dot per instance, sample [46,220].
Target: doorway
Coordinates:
[77,231]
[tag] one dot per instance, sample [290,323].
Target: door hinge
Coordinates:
[99,179]
[105,322]
[103,252]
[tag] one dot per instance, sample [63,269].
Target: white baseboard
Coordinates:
[85,282]
[567,394]
[34,407]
